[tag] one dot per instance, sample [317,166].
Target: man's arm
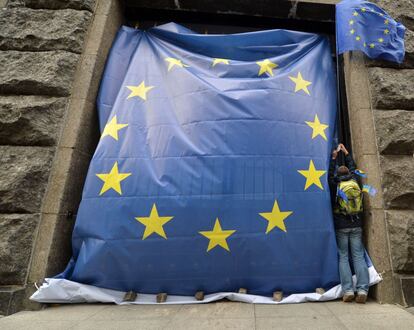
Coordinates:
[349,161]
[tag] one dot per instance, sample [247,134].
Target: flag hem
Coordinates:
[64,291]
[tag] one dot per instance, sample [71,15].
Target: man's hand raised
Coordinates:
[342,147]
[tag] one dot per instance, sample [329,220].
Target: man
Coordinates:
[348,226]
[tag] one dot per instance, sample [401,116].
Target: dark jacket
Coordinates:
[343,221]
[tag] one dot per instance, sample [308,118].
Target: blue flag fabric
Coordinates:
[369,189]
[342,194]
[361,25]
[210,173]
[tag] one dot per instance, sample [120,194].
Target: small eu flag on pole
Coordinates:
[369,189]
[360,173]
[361,25]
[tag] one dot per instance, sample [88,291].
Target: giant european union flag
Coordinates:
[211,171]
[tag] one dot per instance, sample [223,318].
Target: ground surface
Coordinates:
[221,315]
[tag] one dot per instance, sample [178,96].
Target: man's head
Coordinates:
[342,170]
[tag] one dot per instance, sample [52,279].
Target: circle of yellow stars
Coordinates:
[353,33]
[217,236]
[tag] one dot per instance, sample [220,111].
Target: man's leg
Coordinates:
[344,268]
[360,266]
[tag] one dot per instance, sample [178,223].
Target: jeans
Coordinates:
[352,237]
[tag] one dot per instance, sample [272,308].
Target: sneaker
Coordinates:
[348,297]
[361,298]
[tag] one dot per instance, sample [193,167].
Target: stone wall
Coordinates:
[381,109]
[52,54]
[392,88]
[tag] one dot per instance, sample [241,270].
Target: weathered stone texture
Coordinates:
[409,49]
[402,10]
[54,4]
[407,285]
[392,89]
[395,131]
[31,120]
[16,239]
[40,30]
[398,181]
[401,233]
[47,73]
[24,173]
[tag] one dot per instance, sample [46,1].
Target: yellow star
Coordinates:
[300,83]
[174,61]
[217,236]
[364,10]
[220,60]
[154,223]
[386,31]
[380,40]
[357,38]
[386,21]
[112,128]
[266,67]
[355,13]
[371,45]
[318,128]
[112,180]
[365,44]
[352,31]
[351,22]
[140,90]
[276,218]
[312,176]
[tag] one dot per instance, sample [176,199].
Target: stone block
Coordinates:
[91,67]
[401,233]
[407,286]
[11,299]
[277,296]
[357,83]
[52,250]
[392,89]
[395,132]
[81,129]
[375,238]
[363,132]
[383,292]
[40,30]
[68,175]
[54,4]
[398,181]
[31,120]
[24,174]
[106,23]
[199,295]
[111,7]
[130,296]
[16,239]
[161,297]
[47,73]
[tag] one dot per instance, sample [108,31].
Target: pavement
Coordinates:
[219,315]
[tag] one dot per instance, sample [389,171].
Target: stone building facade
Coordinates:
[52,54]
